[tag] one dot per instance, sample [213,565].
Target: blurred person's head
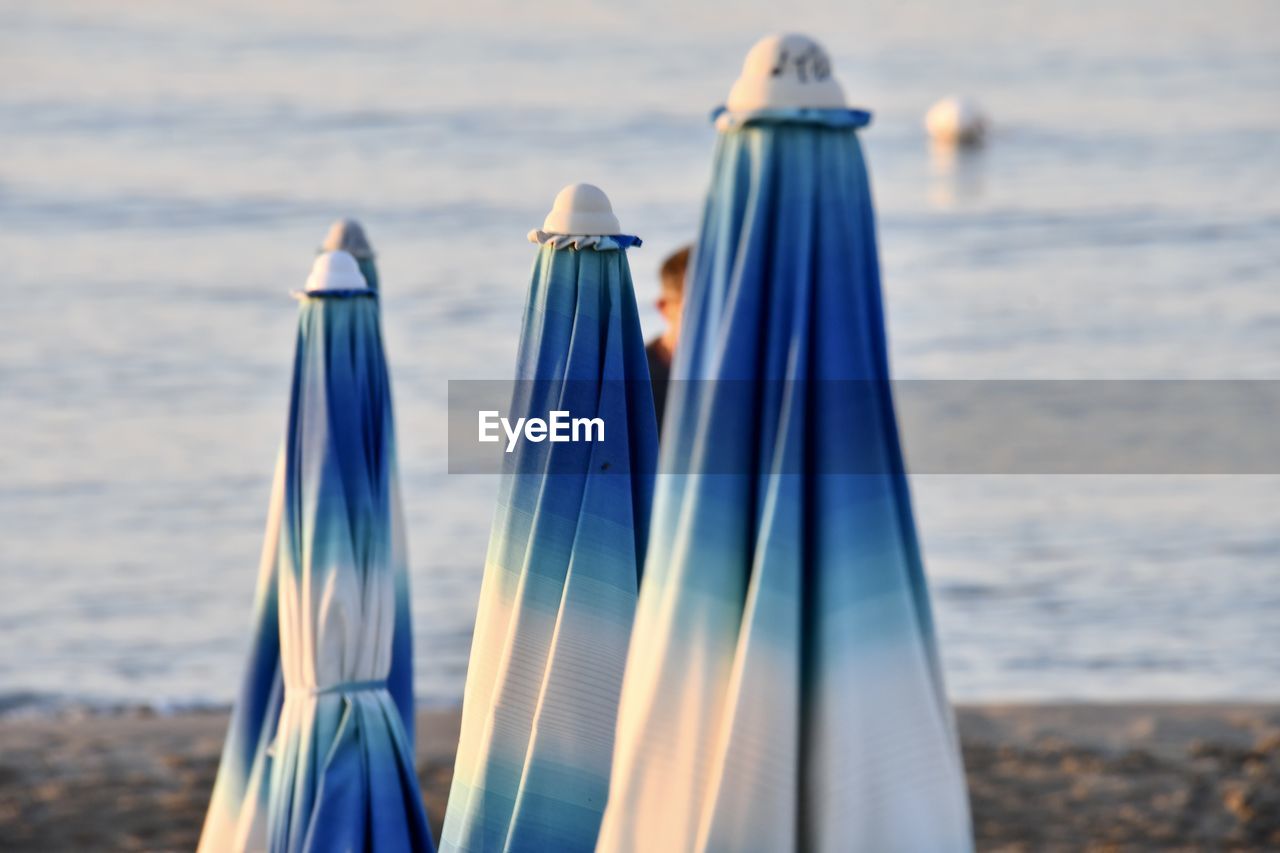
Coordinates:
[671,296]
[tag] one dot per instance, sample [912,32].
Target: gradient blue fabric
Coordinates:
[562,570]
[237,817]
[237,809]
[369,270]
[783,689]
[342,772]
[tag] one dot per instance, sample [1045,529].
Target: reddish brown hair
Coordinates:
[674,269]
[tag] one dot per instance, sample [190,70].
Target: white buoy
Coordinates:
[956,121]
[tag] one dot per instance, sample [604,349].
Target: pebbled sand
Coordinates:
[1042,777]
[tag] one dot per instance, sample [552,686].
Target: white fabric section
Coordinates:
[909,791]
[680,767]
[599,242]
[336,620]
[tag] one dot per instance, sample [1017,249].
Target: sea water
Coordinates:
[167,171]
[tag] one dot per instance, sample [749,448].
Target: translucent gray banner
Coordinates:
[946,426]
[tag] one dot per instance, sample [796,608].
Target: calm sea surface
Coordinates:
[167,170]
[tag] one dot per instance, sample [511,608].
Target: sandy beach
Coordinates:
[1041,777]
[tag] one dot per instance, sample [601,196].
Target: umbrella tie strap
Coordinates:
[345,687]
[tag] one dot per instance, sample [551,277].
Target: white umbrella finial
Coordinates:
[787,71]
[335,271]
[956,120]
[582,210]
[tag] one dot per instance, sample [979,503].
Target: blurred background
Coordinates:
[168,171]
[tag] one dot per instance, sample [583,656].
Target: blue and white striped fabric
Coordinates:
[236,819]
[560,580]
[783,690]
[333,598]
[342,772]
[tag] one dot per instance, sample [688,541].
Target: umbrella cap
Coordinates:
[335,271]
[787,71]
[347,235]
[581,210]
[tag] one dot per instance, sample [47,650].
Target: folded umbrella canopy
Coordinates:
[342,771]
[783,690]
[348,235]
[237,811]
[564,559]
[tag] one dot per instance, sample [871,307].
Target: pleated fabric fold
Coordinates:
[342,764]
[562,569]
[237,813]
[783,689]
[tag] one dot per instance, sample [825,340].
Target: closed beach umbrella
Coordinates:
[236,819]
[783,690]
[347,235]
[342,766]
[564,558]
